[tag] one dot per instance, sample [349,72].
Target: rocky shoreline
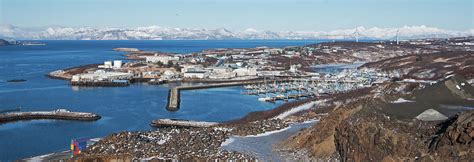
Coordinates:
[178,143]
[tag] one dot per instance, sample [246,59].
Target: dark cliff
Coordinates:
[4,42]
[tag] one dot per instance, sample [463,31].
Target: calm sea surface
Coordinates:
[122,108]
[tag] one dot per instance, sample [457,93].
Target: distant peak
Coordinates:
[160,32]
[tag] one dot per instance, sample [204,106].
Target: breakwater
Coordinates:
[180,123]
[60,114]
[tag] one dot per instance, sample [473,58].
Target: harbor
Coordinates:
[174,92]
[59,114]
[286,89]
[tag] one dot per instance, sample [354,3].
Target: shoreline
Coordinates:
[269,125]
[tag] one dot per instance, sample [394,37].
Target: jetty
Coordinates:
[59,114]
[180,123]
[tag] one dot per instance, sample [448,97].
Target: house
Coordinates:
[248,71]
[219,69]
[186,68]
[225,75]
[196,74]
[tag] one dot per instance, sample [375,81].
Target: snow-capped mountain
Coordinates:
[167,33]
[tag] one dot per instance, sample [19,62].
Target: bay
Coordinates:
[122,108]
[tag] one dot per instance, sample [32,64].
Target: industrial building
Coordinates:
[101,75]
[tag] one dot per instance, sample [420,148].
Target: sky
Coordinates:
[275,15]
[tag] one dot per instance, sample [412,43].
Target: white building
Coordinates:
[246,71]
[101,75]
[117,64]
[293,68]
[168,74]
[186,68]
[219,69]
[107,65]
[161,58]
[226,75]
[196,74]
[268,73]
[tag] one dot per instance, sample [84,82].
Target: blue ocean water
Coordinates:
[122,108]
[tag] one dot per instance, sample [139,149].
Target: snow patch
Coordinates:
[431,115]
[402,100]
[418,81]
[228,141]
[297,109]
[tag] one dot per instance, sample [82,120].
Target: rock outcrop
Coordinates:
[4,42]
[456,137]
[365,129]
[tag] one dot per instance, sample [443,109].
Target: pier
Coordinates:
[180,123]
[59,114]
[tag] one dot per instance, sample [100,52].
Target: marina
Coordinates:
[174,93]
[284,89]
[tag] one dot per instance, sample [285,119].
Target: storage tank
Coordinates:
[108,64]
[118,64]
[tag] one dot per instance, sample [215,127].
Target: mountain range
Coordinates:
[168,33]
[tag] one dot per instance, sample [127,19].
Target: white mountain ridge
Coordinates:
[167,33]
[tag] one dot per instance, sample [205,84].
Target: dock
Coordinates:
[180,123]
[119,83]
[59,114]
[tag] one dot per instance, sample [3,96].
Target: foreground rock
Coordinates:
[177,143]
[455,139]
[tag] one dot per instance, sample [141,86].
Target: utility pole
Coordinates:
[357,35]
[397,37]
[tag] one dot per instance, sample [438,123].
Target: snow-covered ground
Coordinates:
[418,81]
[261,145]
[294,110]
[401,100]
